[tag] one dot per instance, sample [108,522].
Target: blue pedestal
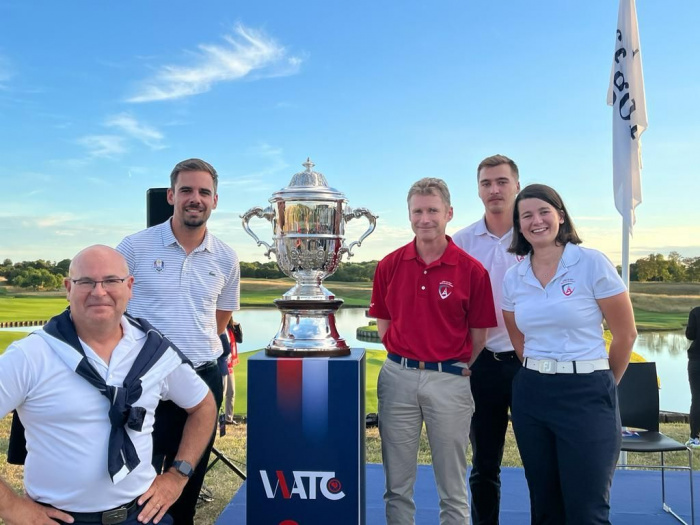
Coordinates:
[306,440]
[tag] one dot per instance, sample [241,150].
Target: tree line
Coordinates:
[346,272]
[675,268]
[37,275]
[48,275]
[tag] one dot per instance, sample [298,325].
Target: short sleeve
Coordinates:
[15,379]
[229,299]
[606,281]
[126,248]
[507,302]
[184,387]
[377,305]
[482,313]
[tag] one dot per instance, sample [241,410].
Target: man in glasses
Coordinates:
[86,387]
[187,285]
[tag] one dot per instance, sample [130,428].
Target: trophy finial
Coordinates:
[308,164]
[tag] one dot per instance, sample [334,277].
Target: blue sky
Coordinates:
[99,100]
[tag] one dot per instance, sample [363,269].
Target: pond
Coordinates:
[668,349]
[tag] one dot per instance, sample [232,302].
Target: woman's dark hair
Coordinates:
[567,232]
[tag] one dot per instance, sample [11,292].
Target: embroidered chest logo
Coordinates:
[445,289]
[158,265]
[567,287]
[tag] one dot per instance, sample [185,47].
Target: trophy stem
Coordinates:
[308,329]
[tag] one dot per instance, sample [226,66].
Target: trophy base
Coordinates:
[308,330]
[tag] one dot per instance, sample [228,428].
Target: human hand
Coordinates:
[25,511]
[162,493]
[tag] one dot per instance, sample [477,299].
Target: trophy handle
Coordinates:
[356,214]
[268,213]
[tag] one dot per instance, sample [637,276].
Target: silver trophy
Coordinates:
[308,223]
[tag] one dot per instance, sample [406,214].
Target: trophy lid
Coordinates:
[309,185]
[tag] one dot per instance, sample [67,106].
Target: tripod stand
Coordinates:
[205,494]
[221,457]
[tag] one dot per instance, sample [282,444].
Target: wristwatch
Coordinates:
[183,468]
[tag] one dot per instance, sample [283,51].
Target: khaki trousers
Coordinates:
[407,399]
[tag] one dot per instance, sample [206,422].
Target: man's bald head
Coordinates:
[99,252]
[99,288]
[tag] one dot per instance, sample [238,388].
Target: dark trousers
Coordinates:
[491,382]
[694,380]
[568,431]
[167,433]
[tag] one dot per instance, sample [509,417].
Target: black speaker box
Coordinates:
[157,208]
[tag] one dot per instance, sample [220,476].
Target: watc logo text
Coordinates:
[305,484]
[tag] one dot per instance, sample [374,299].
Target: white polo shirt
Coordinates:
[492,252]
[180,293]
[563,321]
[67,425]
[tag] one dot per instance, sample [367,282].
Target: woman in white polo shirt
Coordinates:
[565,413]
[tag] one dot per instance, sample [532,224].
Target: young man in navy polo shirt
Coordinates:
[433,305]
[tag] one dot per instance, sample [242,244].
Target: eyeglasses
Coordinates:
[107,284]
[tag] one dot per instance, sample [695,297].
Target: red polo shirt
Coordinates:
[431,307]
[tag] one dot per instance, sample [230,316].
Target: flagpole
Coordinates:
[626,251]
[626,95]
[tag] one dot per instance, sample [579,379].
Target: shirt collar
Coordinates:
[130,334]
[481,229]
[448,257]
[169,238]
[571,255]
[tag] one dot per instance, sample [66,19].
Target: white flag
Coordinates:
[626,95]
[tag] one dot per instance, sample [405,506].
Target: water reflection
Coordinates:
[661,343]
[667,349]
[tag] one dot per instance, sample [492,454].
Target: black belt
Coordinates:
[108,517]
[502,356]
[451,366]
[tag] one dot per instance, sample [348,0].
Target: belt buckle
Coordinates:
[496,357]
[114,516]
[547,366]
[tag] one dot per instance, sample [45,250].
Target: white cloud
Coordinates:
[103,146]
[51,221]
[149,135]
[245,53]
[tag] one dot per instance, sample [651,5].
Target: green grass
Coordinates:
[263,292]
[8,337]
[647,321]
[30,308]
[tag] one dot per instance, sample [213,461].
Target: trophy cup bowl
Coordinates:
[308,222]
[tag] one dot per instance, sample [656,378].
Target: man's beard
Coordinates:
[194,223]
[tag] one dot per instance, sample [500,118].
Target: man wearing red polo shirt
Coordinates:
[433,305]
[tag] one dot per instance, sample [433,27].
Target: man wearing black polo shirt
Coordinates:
[433,305]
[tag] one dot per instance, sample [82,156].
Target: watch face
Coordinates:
[183,468]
